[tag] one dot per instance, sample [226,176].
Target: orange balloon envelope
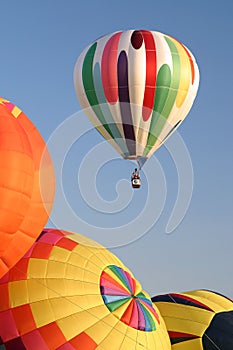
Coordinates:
[26,184]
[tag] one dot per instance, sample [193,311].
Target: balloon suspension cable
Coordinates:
[139,165]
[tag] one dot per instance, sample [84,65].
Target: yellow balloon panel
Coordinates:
[197,320]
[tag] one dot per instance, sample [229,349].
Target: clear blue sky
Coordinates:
[40,42]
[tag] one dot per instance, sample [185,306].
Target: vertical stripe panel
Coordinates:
[89,87]
[109,68]
[97,117]
[103,105]
[137,80]
[166,91]
[185,74]
[122,69]
[149,94]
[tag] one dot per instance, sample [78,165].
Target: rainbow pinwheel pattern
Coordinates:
[124,298]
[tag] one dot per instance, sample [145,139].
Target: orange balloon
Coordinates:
[27,184]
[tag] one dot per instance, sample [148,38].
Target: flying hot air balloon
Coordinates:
[136,87]
[197,320]
[68,292]
[26,184]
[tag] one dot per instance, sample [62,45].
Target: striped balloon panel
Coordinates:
[136,87]
[53,298]
[197,320]
[121,296]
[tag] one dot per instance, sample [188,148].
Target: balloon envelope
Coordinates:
[197,320]
[26,184]
[136,87]
[68,292]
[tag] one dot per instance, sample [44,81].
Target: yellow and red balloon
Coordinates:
[69,292]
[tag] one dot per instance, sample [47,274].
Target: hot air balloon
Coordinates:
[68,292]
[136,87]
[26,184]
[197,320]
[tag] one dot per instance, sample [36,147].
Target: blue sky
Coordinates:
[40,43]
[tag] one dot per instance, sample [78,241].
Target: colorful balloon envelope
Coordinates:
[197,320]
[26,184]
[136,87]
[68,292]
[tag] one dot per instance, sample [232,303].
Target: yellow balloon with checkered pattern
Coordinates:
[68,292]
